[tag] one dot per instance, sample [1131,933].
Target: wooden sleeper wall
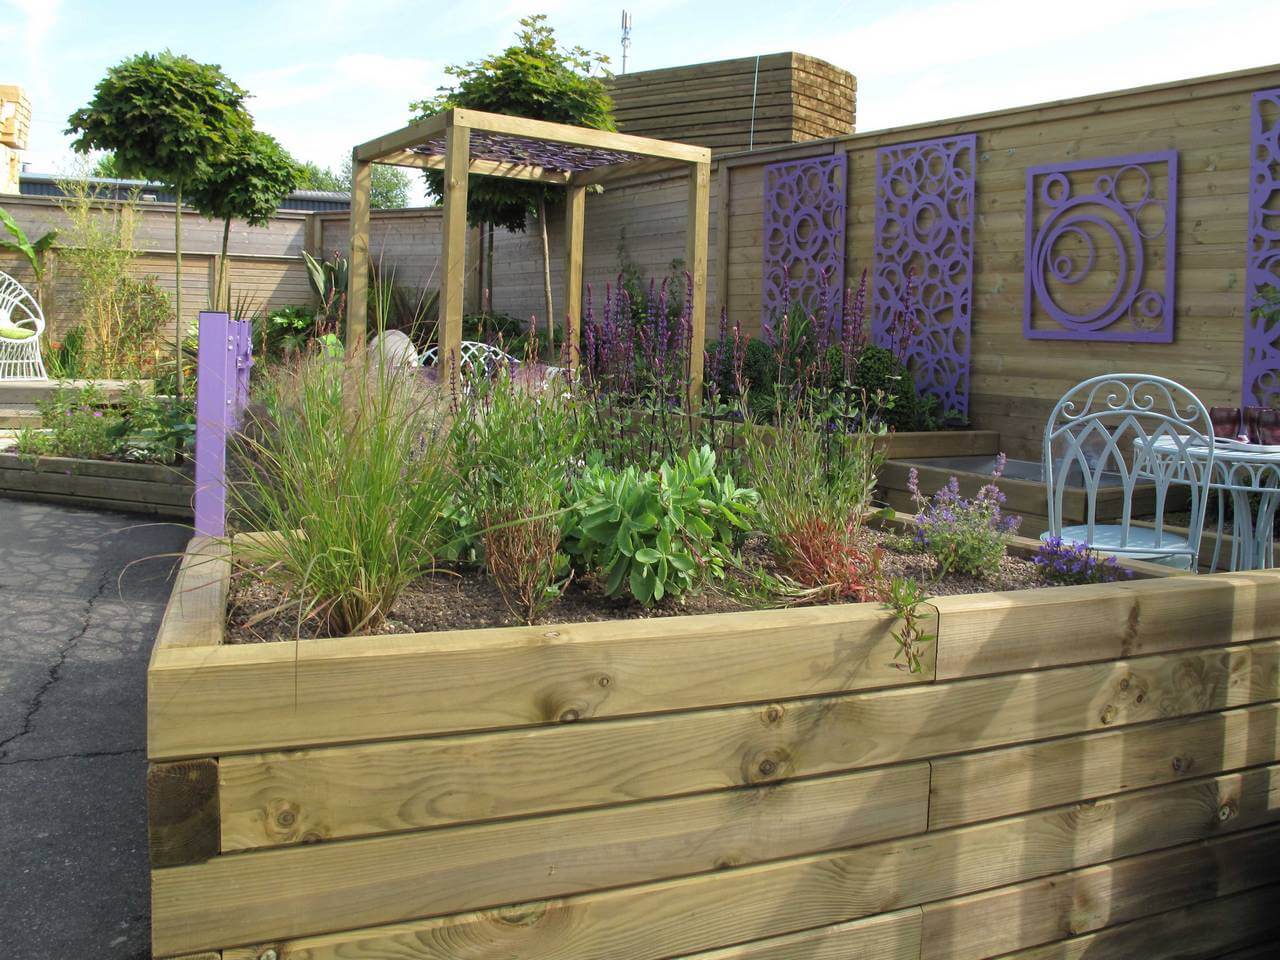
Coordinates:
[1075,769]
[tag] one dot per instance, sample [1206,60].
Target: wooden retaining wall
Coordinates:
[1076,771]
[101,484]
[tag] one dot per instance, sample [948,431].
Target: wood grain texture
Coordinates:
[182,812]
[1040,911]
[1198,932]
[997,783]
[317,887]
[890,936]
[197,606]
[221,700]
[659,920]
[998,632]
[368,789]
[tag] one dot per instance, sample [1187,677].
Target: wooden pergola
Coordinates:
[461,142]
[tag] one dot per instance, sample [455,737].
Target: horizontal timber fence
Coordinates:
[1074,771]
[1018,322]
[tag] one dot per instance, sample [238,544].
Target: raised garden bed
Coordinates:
[101,484]
[1097,764]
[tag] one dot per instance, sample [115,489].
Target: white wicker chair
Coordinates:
[19,314]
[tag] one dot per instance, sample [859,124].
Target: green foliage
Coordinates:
[247,181]
[34,251]
[77,423]
[108,165]
[905,597]
[653,534]
[163,116]
[349,466]
[80,422]
[65,358]
[879,372]
[388,186]
[537,78]
[513,444]
[286,331]
[328,280]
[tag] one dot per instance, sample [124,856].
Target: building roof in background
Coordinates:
[47,185]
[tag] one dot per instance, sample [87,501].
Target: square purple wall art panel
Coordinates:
[924,240]
[1100,249]
[804,223]
[1262,276]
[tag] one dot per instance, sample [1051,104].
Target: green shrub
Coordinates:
[154,429]
[77,423]
[514,442]
[880,374]
[348,466]
[658,533]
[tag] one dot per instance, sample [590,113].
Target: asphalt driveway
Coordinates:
[81,595]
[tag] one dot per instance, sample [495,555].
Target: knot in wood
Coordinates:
[1227,811]
[1180,765]
[1109,714]
[569,716]
[768,767]
[605,680]
[269,954]
[774,713]
[286,818]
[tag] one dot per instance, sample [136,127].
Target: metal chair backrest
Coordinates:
[1127,429]
[474,357]
[18,306]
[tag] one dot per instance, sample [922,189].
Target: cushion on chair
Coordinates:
[1141,544]
[11,331]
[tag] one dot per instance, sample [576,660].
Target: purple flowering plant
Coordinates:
[1070,563]
[965,534]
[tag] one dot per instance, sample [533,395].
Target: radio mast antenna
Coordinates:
[626,39]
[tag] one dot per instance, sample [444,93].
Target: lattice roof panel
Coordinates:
[527,151]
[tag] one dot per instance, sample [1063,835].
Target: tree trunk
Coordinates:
[177,325]
[223,287]
[546,273]
[488,306]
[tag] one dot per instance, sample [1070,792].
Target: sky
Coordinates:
[327,74]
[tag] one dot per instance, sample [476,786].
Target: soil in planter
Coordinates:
[467,599]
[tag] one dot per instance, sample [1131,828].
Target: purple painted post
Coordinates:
[222,391]
[804,225]
[924,231]
[1261,385]
[1112,206]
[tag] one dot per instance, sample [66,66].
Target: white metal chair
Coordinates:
[1125,429]
[477,357]
[21,326]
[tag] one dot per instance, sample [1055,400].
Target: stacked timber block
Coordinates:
[15,127]
[740,104]
[1075,771]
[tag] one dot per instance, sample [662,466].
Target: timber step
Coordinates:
[30,392]
[16,415]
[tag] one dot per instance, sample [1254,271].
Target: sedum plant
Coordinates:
[658,533]
[347,467]
[965,535]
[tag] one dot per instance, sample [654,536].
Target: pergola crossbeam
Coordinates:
[461,142]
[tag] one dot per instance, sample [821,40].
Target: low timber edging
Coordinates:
[101,484]
[1078,769]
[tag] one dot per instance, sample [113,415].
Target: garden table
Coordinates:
[1240,470]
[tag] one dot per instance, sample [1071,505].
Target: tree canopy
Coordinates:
[164,116]
[537,78]
[389,186]
[249,181]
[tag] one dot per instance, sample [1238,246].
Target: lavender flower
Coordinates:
[967,535]
[1074,563]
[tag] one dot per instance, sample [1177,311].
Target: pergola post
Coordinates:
[696,260]
[454,249]
[358,261]
[575,209]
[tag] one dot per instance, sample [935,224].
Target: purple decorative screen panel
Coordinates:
[804,219]
[1262,276]
[924,239]
[1100,249]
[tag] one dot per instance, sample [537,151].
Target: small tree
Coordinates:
[250,181]
[165,117]
[535,78]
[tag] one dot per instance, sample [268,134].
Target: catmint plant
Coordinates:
[965,535]
[1070,563]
